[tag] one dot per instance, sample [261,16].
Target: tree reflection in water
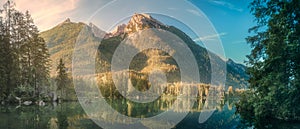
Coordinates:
[71,115]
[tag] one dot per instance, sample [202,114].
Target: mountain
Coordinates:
[236,75]
[148,60]
[61,40]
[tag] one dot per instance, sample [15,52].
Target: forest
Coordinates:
[24,62]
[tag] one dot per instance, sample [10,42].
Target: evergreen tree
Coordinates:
[274,61]
[34,58]
[3,75]
[25,59]
[62,80]
[9,57]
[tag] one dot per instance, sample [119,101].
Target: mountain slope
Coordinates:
[236,75]
[62,38]
[61,41]
[143,62]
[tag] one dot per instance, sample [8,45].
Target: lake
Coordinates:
[72,116]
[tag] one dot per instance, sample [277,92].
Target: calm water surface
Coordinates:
[70,115]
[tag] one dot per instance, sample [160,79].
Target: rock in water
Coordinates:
[27,102]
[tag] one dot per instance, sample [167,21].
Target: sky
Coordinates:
[221,24]
[232,19]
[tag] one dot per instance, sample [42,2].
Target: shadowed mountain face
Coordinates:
[62,38]
[61,41]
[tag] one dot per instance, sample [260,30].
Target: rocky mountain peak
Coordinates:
[142,21]
[117,31]
[139,18]
[68,20]
[136,23]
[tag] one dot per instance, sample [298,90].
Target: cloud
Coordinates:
[227,5]
[195,12]
[47,13]
[210,37]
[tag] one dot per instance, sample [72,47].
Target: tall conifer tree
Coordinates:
[25,59]
[274,61]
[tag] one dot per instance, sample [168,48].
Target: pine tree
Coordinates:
[62,80]
[25,58]
[10,66]
[274,60]
[34,58]
[3,76]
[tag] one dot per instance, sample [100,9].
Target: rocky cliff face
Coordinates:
[137,23]
[142,21]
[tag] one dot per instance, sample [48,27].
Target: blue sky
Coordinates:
[215,22]
[232,19]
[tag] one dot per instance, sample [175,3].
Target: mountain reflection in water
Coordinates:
[71,114]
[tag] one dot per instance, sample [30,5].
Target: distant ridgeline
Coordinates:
[62,38]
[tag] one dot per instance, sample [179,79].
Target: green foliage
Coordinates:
[62,76]
[24,59]
[62,120]
[62,80]
[64,83]
[3,59]
[24,91]
[274,61]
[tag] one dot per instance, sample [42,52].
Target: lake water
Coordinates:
[70,115]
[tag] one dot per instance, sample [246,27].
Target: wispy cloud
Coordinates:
[47,12]
[210,37]
[227,5]
[195,12]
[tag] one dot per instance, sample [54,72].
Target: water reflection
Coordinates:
[71,115]
[52,116]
